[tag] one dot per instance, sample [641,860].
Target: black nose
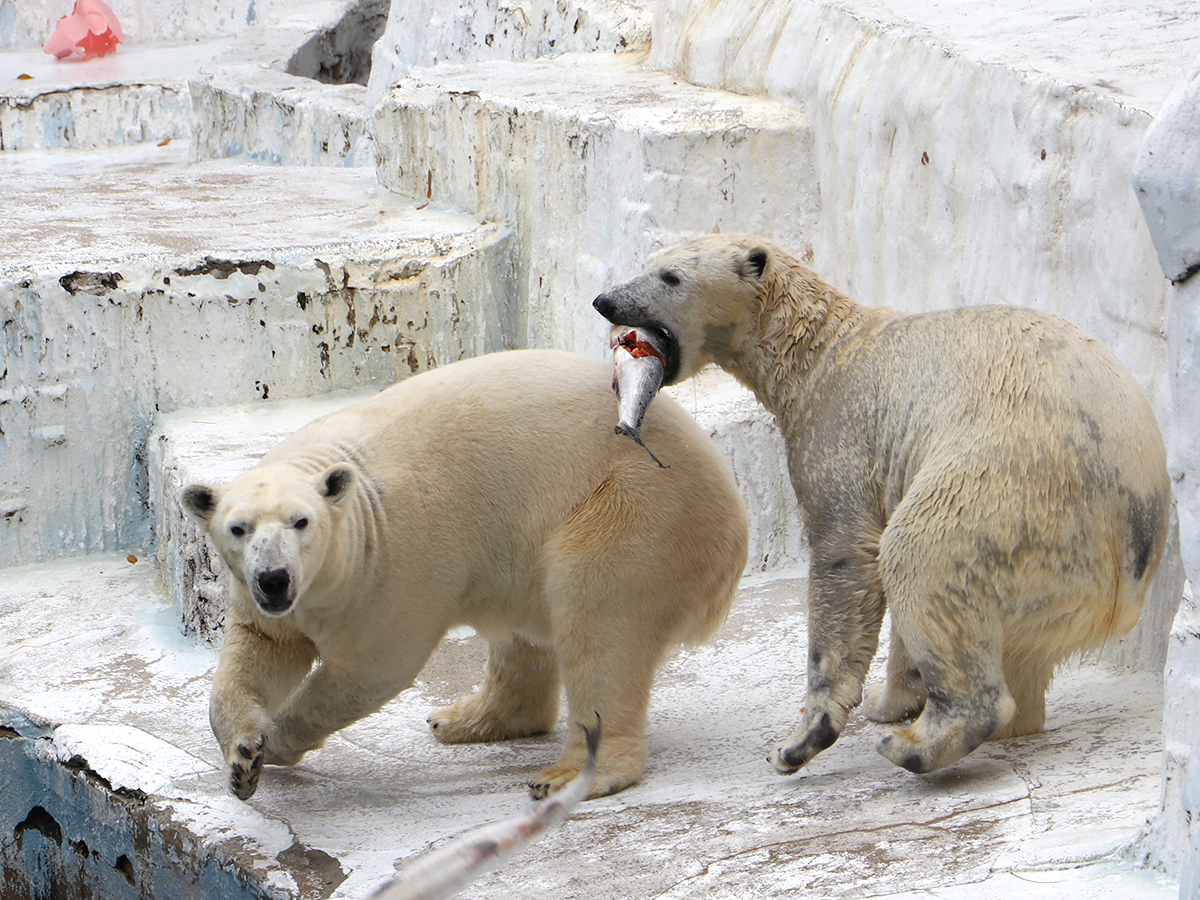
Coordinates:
[605,305]
[274,583]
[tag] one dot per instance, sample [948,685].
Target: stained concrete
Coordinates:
[894,214]
[122,694]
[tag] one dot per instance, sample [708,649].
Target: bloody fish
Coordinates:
[447,871]
[638,369]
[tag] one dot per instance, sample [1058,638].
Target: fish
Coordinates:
[638,369]
[445,872]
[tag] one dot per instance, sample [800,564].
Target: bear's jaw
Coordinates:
[622,310]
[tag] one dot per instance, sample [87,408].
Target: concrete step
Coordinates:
[136,94]
[270,116]
[141,92]
[150,284]
[216,445]
[103,728]
[595,161]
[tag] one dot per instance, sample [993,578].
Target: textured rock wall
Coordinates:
[1167,179]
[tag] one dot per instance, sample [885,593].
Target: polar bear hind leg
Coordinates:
[519,697]
[626,578]
[902,695]
[949,620]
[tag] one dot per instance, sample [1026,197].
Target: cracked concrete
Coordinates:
[709,818]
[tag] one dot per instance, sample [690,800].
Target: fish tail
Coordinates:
[636,435]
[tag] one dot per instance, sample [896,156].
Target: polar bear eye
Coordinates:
[237,531]
[670,279]
[300,524]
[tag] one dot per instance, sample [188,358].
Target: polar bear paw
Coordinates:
[887,703]
[245,761]
[560,775]
[472,719]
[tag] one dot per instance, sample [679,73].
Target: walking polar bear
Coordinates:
[492,493]
[993,475]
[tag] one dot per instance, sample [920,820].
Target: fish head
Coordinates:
[698,299]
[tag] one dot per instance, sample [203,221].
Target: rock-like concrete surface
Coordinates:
[136,283]
[273,117]
[123,695]
[545,145]
[132,96]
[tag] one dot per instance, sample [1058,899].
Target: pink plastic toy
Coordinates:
[91,30]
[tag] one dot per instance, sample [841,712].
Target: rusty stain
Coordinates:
[223,268]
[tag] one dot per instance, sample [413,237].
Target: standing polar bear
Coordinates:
[492,493]
[993,475]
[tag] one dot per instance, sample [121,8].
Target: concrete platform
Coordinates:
[120,696]
[217,444]
[134,95]
[132,282]
[273,117]
[542,143]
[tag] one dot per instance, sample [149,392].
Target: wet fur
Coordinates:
[491,493]
[993,475]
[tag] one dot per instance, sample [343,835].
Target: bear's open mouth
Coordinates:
[665,347]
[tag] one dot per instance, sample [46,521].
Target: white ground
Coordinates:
[1048,816]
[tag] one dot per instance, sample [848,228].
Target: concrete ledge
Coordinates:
[151,284]
[115,689]
[594,161]
[424,33]
[136,94]
[273,117]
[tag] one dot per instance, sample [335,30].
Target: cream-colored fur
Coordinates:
[993,475]
[492,493]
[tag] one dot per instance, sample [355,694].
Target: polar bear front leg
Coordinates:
[334,695]
[845,613]
[253,677]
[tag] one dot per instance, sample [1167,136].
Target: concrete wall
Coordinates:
[1167,178]
[26,24]
[945,181]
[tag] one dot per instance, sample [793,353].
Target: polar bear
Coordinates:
[492,493]
[992,475]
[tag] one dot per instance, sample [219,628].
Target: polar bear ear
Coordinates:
[199,502]
[755,263]
[335,482]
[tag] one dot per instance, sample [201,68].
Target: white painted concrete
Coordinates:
[1168,187]
[710,818]
[424,33]
[272,117]
[132,96]
[135,282]
[896,143]
[25,24]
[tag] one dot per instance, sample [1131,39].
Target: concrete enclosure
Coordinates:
[254,210]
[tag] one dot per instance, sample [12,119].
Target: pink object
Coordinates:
[90,30]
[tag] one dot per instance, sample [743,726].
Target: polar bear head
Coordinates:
[273,526]
[702,297]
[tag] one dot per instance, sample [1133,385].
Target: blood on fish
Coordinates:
[639,349]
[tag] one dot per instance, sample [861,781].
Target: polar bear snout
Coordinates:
[619,309]
[274,591]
